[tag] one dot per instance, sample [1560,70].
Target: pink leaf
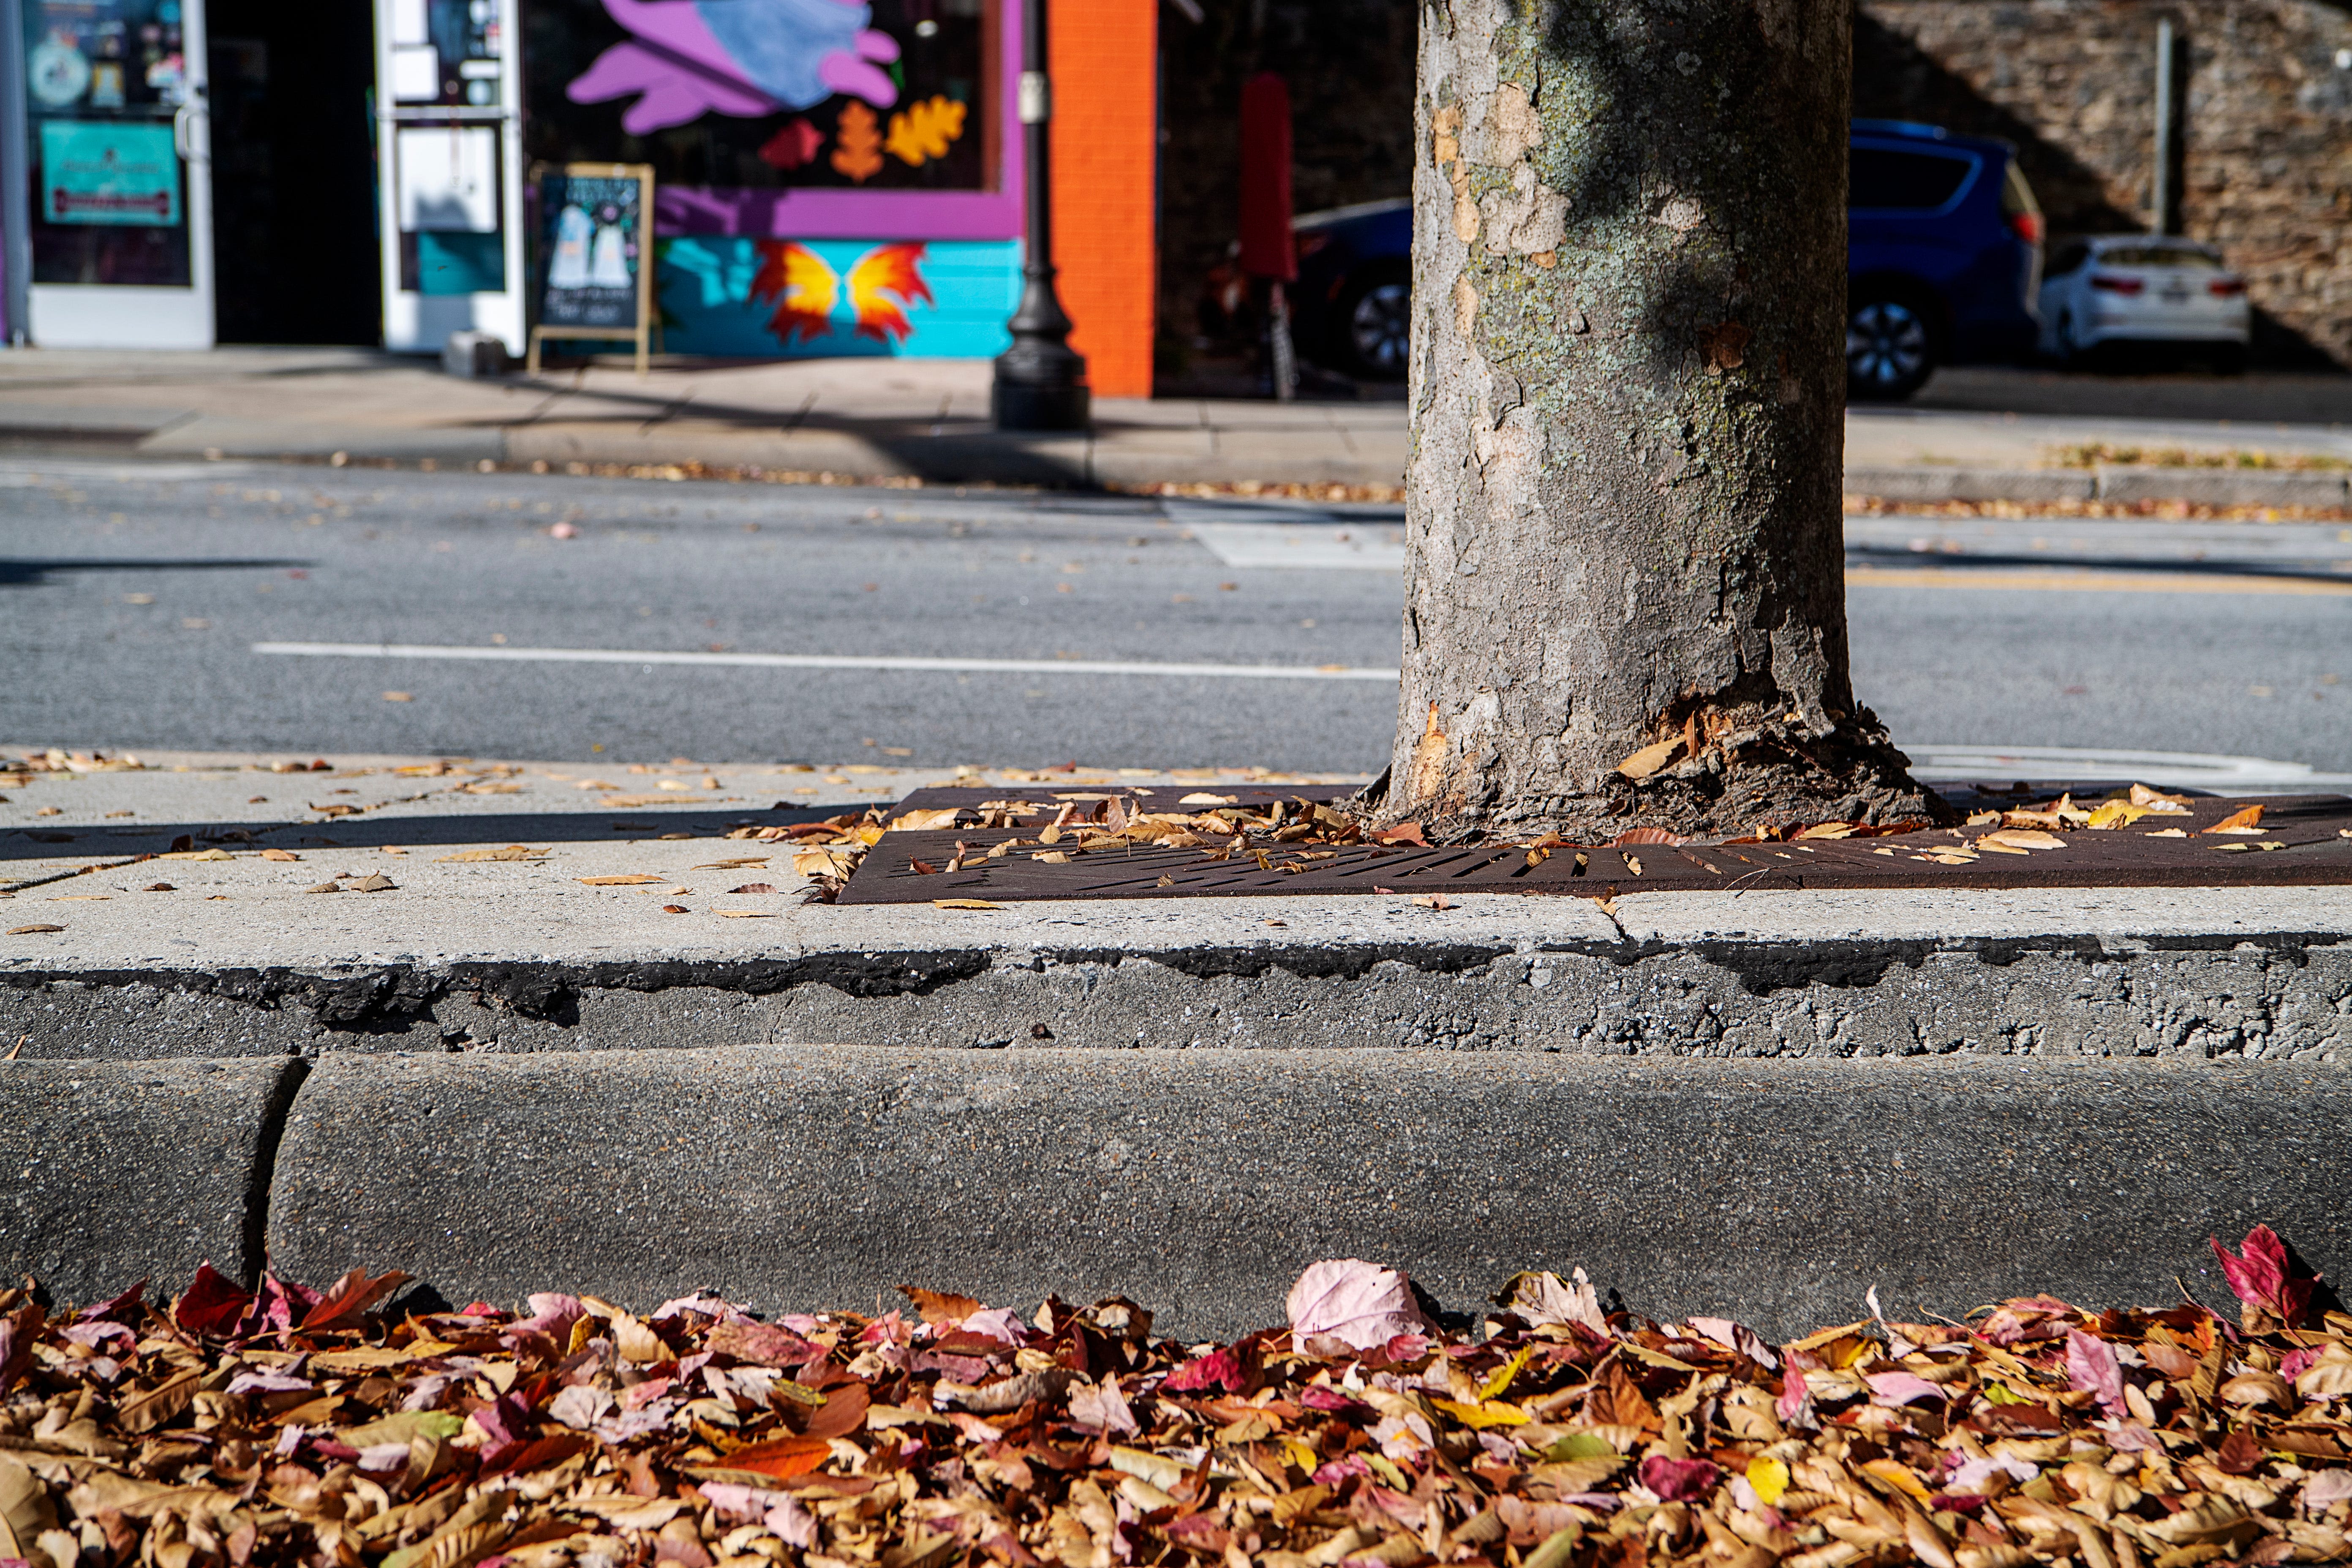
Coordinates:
[2091,1366]
[1900,1388]
[1360,1304]
[1101,1407]
[1677,1480]
[2327,1489]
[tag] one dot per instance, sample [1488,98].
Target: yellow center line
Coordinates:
[2087,582]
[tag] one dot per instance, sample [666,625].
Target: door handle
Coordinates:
[184,129]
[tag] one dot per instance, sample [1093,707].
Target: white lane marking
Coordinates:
[827,661]
[2165,769]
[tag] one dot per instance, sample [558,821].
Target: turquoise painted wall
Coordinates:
[736,297]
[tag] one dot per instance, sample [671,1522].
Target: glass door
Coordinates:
[118,150]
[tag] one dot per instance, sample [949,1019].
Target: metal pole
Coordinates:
[1041,380]
[2163,199]
[16,195]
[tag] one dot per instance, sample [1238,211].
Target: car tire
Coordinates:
[1890,348]
[1371,323]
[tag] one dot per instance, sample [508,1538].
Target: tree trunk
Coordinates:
[1625,591]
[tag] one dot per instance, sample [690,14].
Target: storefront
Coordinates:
[834,177]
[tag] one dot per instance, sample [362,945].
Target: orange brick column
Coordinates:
[1105,130]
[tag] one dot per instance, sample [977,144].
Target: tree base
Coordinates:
[1774,779]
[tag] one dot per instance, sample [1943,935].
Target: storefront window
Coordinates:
[103,82]
[767,94]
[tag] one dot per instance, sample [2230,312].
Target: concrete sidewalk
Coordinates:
[926,419]
[501,1076]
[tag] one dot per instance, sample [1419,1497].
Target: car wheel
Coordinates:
[1889,351]
[1373,325]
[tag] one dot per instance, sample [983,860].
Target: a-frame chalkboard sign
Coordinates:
[595,261]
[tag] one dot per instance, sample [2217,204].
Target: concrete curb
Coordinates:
[123,1169]
[1201,1182]
[2196,487]
[2061,973]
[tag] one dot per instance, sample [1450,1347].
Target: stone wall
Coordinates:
[2266,147]
[2267,144]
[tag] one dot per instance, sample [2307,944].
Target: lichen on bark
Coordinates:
[1624,578]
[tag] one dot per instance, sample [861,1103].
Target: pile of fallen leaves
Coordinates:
[293,1427]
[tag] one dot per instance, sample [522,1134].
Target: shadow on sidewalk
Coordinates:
[368,831]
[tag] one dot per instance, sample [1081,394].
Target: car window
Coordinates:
[2069,258]
[1885,180]
[2157,256]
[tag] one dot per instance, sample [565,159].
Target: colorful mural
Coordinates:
[744,297]
[740,58]
[750,95]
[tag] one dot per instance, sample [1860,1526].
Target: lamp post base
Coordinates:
[1029,406]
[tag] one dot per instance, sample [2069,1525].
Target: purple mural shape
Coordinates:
[739,57]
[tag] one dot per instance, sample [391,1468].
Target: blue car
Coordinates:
[1943,266]
[1943,256]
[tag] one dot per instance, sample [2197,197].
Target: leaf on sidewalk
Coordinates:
[628,881]
[511,852]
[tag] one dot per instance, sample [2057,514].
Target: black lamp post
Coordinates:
[1041,380]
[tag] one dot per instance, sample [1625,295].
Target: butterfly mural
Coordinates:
[744,58]
[880,284]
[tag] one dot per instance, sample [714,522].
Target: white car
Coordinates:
[2144,290]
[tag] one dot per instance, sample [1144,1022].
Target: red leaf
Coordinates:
[354,1293]
[783,1458]
[1219,1368]
[2240,1453]
[1402,832]
[211,1304]
[1677,1480]
[842,1412]
[2263,1275]
[122,1309]
[1648,836]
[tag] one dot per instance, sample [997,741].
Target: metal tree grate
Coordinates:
[2305,840]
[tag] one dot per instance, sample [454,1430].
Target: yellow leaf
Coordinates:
[2116,814]
[1501,1380]
[745,914]
[511,852]
[1768,1478]
[618,881]
[1649,759]
[1895,1474]
[1828,830]
[1486,1412]
[925,129]
[2167,833]
[2023,839]
[2242,820]
[964,904]
[198,854]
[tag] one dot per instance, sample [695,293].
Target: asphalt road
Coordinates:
[135,596]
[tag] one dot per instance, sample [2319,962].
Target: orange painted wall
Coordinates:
[1105,130]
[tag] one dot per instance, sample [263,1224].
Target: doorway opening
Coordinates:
[294,195]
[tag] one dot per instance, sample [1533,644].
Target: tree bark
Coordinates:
[1624,570]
